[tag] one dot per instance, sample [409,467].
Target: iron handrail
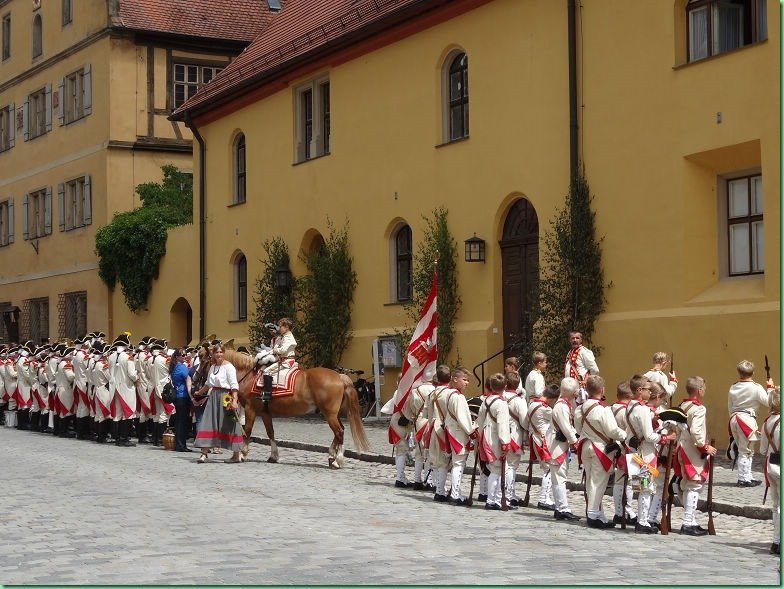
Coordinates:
[485,361]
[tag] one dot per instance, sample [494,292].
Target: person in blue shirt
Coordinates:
[181,381]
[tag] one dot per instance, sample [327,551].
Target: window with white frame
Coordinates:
[75,95]
[67,6]
[6,222]
[745,231]
[239,191]
[455,97]
[717,26]
[188,78]
[37,113]
[312,120]
[37,214]
[38,43]
[6,34]
[401,241]
[74,203]
[7,127]
[240,288]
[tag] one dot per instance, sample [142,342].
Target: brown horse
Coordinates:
[320,388]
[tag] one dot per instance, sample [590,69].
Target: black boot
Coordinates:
[79,428]
[21,419]
[157,433]
[143,432]
[93,428]
[45,429]
[103,431]
[3,408]
[125,434]
[266,390]
[35,421]
[114,429]
[56,429]
[69,431]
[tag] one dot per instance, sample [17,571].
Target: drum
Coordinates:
[168,440]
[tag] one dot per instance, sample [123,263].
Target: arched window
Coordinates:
[457,98]
[403,263]
[241,287]
[239,169]
[38,47]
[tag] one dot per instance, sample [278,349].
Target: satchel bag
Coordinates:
[168,394]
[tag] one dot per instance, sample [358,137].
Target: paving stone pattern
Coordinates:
[80,513]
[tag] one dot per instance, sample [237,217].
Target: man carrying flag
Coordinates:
[419,366]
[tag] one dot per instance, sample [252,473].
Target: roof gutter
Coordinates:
[202,226]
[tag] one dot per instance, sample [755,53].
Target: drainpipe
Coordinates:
[572,34]
[202,223]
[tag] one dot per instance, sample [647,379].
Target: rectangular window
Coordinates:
[312,120]
[75,314]
[73,96]
[6,34]
[242,291]
[75,204]
[6,222]
[67,12]
[6,127]
[38,213]
[188,78]
[745,226]
[37,113]
[718,26]
[38,320]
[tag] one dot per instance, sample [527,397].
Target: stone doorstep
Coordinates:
[749,511]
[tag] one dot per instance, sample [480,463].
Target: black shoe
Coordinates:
[440,498]
[567,515]
[184,450]
[752,483]
[655,525]
[641,529]
[482,498]
[693,531]
[492,507]
[402,485]
[428,487]
[126,443]
[460,501]
[774,549]
[418,486]
[545,506]
[618,520]
[514,503]
[597,523]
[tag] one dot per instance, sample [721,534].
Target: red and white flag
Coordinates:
[419,363]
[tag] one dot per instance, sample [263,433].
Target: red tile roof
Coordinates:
[302,27]
[237,20]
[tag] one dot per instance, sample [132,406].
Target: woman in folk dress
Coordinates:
[219,427]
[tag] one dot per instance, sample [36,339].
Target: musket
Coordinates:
[664,527]
[524,502]
[624,500]
[470,500]
[585,493]
[709,506]
[765,495]
[672,369]
[767,367]
[504,504]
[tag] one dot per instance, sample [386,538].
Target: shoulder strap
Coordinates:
[602,437]
[440,410]
[769,433]
[629,421]
[452,415]
[488,403]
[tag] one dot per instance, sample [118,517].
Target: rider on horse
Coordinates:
[283,348]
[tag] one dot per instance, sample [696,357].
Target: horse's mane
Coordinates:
[240,360]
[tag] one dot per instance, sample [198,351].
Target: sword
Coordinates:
[767,367]
[765,496]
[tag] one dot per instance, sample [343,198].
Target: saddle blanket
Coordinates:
[284,389]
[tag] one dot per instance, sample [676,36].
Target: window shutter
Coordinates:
[61,205]
[87,90]
[25,217]
[48,107]
[26,119]
[10,220]
[61,101]
[11,124]
[88,216]
[48,211]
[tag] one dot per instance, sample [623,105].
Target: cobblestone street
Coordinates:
[81,513]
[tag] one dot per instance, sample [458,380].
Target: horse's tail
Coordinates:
[354,414]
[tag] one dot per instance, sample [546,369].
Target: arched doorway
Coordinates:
[520,273]
[180,323]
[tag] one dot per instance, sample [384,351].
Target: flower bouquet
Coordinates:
[231,413]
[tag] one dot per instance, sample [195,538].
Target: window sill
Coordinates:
[238,320]
[31,137]
[76,120]
[315,157]
[453,141]
[736,289]
[686,64]
[396,304]
[4,149]
[236,204]
[74,228]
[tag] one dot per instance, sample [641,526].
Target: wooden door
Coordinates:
[520,273]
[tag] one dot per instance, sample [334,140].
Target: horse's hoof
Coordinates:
[334,464]
[272,460]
